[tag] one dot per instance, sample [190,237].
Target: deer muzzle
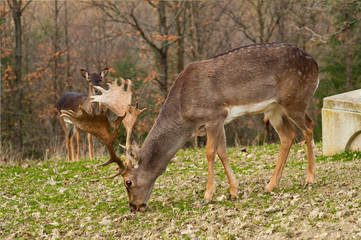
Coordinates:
[135,208]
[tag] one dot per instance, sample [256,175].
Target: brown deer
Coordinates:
[72,101]
[276,79]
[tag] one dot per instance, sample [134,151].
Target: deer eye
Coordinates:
[128,183]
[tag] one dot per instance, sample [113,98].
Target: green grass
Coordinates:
[61,200]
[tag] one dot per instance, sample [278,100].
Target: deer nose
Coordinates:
[135,208]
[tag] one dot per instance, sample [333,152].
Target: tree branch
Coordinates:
[137,26]
[27,4]
[180,10]
[152,4]
[11,7]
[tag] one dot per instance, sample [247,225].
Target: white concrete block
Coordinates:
[341,123]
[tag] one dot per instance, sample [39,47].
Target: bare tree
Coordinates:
[258,20]
[347,11]
[206,35]
[66,32]
[17,9]
[156,36]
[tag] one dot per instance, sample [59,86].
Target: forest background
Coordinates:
[45,43]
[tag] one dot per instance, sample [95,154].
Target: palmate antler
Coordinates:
[115,98]
[129,122]
[118,101]
[98,125]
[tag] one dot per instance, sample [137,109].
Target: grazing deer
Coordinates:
[72,101]
[276,79]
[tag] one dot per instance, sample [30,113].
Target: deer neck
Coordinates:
[86,104]
[166,137]
[90,91]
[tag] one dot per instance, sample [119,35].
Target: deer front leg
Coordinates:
[213,133]
[71,140]
[67,142]
[287,135]
[222,154]
[90,146]
[77,130]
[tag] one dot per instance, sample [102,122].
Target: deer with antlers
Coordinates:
[276,79]
[72,101]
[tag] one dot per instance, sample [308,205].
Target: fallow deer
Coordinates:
[276,79]
[72,101]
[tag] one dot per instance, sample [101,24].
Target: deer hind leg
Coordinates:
[305,123]
[77,130]
[68,131]
[287,135]
[67,141]
[213,133]
[71,140]
[311,171]
[222,154]
[90,146]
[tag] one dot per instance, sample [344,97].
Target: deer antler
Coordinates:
[99,126]
[119,101]
[129,122]
[116,98]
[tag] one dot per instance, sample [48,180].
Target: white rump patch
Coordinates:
[261,107]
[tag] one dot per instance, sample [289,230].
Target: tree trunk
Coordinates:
[349,65]
[261,22]
[66,27]
[348,52]
[163,53]
[56,49]
[180,25]
[6,113]
[57,87]
[163,75]
[17,91]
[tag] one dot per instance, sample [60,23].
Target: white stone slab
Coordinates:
[341,123]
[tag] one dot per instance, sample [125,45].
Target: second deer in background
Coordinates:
[72,101]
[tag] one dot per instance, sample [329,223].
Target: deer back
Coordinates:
[252,77]
[71,101]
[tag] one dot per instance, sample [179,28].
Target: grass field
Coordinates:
[60,200]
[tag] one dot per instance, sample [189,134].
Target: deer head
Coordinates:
[94,79]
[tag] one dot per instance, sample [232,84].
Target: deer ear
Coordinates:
[133,155]
[84,73]
[104,72]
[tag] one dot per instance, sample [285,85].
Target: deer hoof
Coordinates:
[310,180]
[206,202]
[232,198]
[270,187]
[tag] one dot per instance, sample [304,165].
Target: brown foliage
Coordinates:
[160,36]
